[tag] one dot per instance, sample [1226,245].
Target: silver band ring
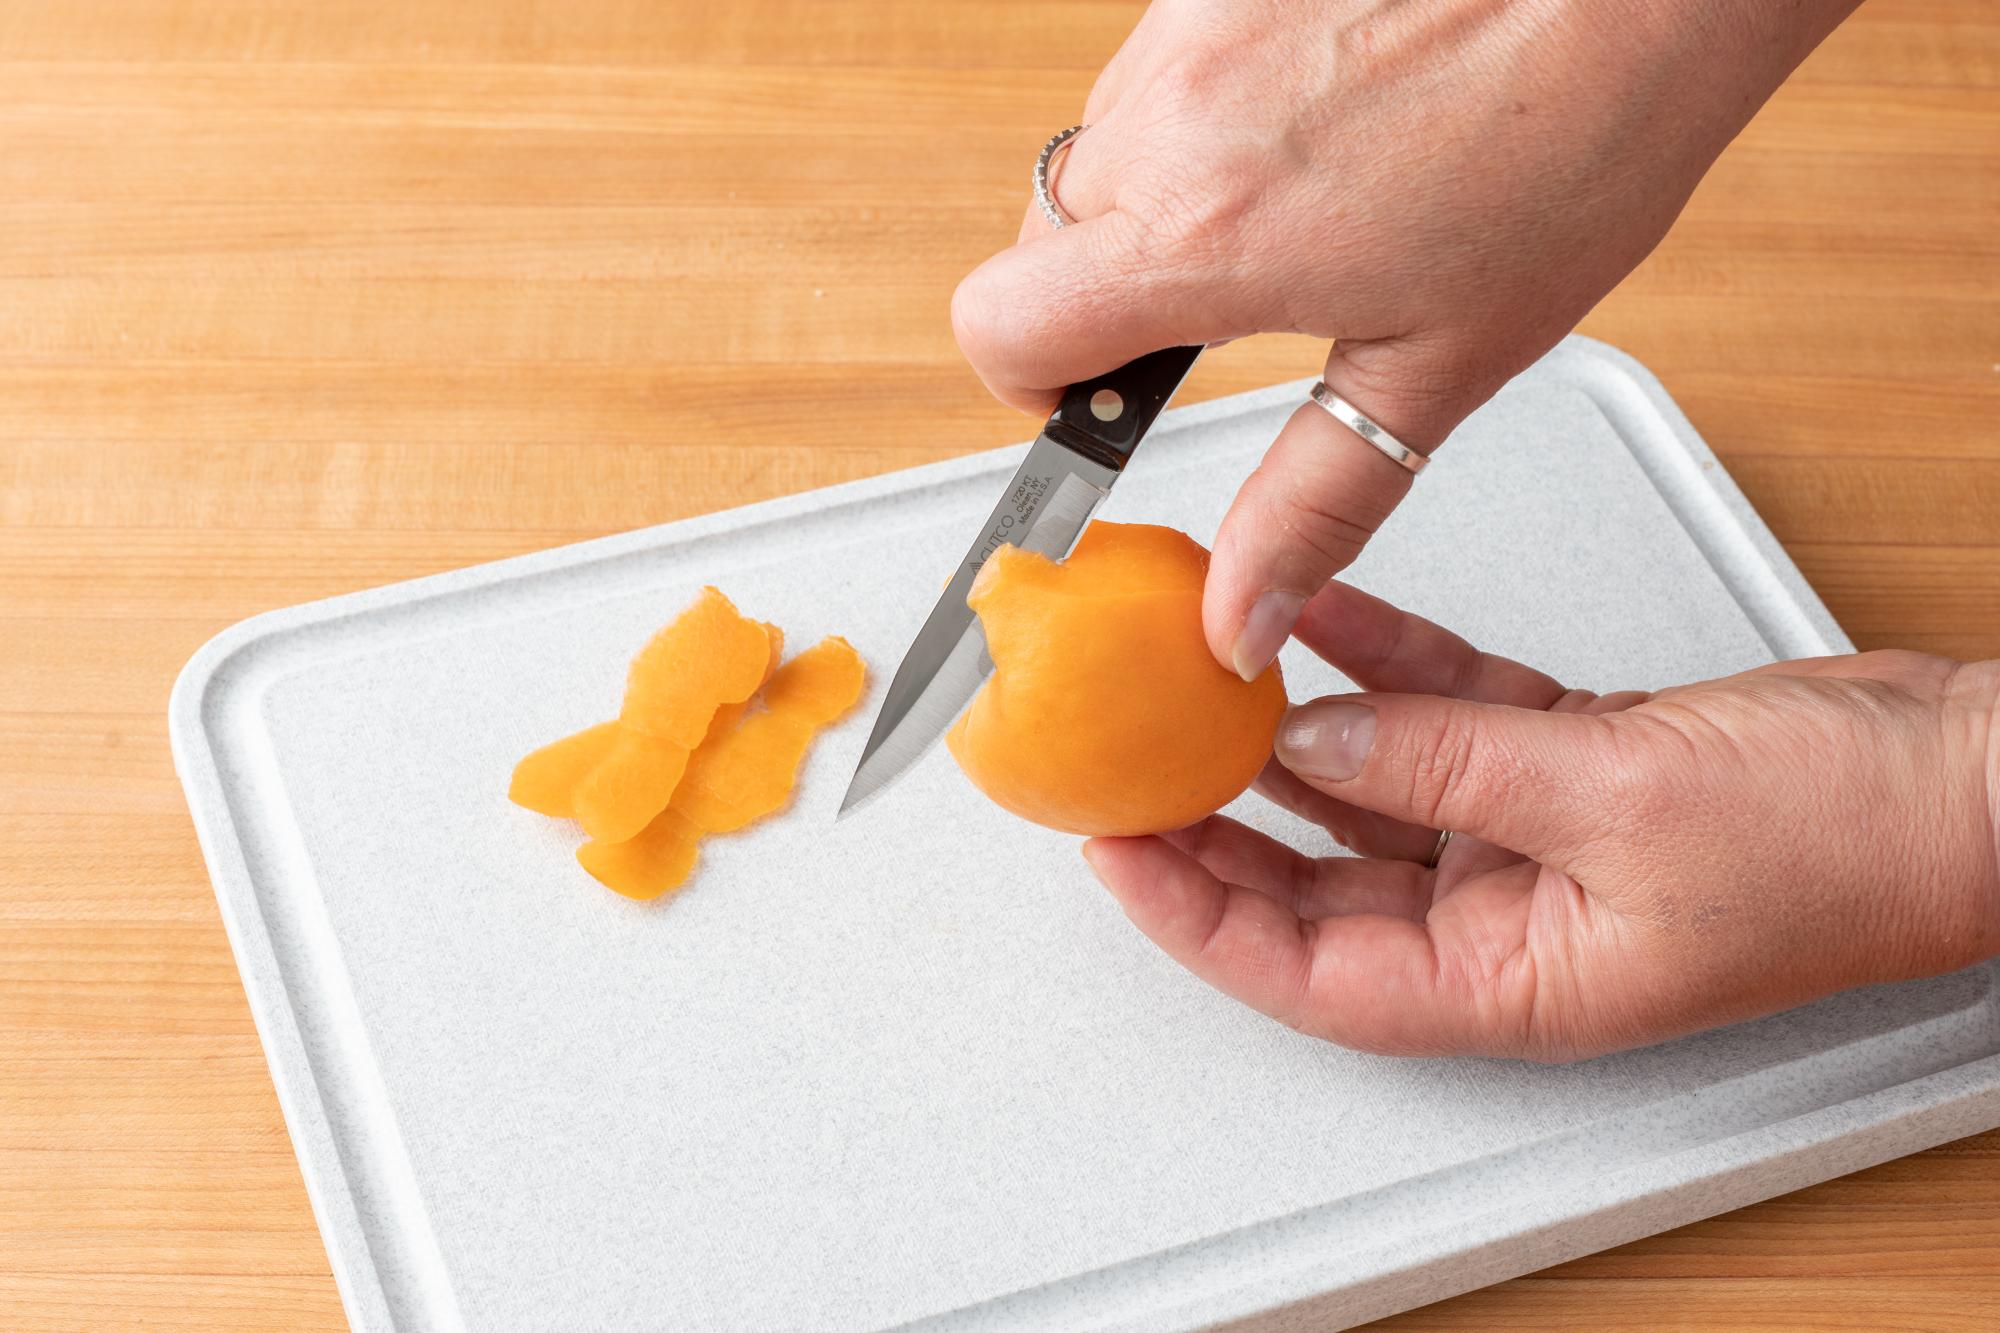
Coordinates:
[1352,417]
[1045,199]
[1437,852]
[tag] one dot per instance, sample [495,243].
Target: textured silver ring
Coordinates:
[1437,852]
[1044,197]
[1352,417]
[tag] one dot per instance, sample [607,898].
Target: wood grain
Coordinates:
[298,298]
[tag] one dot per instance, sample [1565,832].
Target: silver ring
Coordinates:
[1352,417]
[1044,197]
[1437,852]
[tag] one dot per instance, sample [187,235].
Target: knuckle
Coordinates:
[1637,769]
[1209,939]
[993,332]
[1420,390]
[972,315]
[1315,511]
[1191,80]
[1190,220]
[1615,702]
[1332,540]
[1441,765]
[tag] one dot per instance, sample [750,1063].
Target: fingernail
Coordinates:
[1326,740]
[1264,632]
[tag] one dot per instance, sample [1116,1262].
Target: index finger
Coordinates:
[1315,499]
[1384,648]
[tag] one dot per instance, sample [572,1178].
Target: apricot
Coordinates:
[1106,714]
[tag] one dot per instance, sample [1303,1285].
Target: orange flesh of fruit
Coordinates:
[1106,714]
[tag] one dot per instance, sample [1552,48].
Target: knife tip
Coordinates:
[852,801]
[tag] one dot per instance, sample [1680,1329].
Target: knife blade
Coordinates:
[1069,470]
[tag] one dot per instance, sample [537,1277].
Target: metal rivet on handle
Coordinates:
[1106,405]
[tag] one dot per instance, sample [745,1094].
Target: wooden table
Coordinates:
[298,298]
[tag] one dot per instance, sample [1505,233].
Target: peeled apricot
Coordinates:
[1106,714]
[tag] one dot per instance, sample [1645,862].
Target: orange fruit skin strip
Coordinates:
[739,776]
[625,779]
[657,861]
[546,780]
[632,783]
[615,778]
[709,656]
[750,772]
[728,715]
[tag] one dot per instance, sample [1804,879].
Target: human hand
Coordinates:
[1624,869]
[1446,188]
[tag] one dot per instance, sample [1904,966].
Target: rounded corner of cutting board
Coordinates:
[212,667]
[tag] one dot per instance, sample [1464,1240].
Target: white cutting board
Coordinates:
[916,1066]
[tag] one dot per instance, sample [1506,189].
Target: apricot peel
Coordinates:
[546,781]
[615,777]
[749,773]
[709,656]
[655,862]
[736,777]
[643,792]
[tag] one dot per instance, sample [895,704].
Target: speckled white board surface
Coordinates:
[915,1067]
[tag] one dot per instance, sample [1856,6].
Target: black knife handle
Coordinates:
[1105,418]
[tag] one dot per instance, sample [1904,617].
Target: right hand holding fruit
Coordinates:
[1625,868]
[1443,188]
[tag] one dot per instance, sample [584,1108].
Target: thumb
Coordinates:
[1533,782]
[1063,306]
[1321,491]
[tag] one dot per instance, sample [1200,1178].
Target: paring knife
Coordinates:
[1069,470]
